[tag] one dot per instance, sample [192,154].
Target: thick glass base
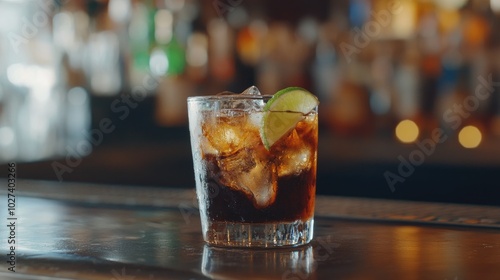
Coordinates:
[260,235]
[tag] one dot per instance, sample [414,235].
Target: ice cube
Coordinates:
[253,103]
[294,155]
[262,181]
[295,162]
[255,119]
[241,161]
[226,93]
[230,105]
[249,171]
[228,134]
[253,90]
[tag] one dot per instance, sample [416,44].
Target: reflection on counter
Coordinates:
[293,263]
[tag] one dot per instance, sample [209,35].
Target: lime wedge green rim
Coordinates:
[280,104]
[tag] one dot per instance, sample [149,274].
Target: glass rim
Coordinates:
[228,97]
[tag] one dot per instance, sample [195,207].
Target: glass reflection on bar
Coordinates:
[295,263]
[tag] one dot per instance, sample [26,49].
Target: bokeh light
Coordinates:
[407,131]
[495,6]
[451,4]
[470,137]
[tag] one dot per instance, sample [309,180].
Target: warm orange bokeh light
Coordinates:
[470,137]
[407,131]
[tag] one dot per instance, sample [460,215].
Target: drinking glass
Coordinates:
[250,196]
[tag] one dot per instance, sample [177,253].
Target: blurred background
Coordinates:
[95,91]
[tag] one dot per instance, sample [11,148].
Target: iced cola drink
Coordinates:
[250,194]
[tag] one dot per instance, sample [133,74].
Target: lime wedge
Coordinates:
[283,111]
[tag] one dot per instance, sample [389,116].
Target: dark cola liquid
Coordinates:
[294,197]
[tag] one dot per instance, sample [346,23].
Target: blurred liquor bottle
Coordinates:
[381,85]
[105,57]
[221,52]
[464,67]
[407,82]
[141,38]
[168,63]
[70,34]
[348,110]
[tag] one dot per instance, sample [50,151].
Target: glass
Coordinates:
[231,263]
[250,196]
